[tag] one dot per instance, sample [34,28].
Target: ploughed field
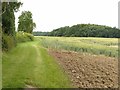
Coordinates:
[88,71]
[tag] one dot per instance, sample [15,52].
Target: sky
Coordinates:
[53,14]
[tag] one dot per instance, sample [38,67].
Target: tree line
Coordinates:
[10,37]
[84,30]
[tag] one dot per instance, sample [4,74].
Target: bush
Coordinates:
[24,37]
[8,42]
[30,36]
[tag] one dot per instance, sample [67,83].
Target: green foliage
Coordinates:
[24,37]
[37,33]
[99,46]
[26,23]
[87,30]
[8,42]
[8,17]
[8,24]
[0,29]
[9,37]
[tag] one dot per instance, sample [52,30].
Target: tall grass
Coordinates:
[98,46]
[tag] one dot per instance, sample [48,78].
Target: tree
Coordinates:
[8,17]
[26,23]
[87,30]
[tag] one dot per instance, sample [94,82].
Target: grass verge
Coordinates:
[29,64]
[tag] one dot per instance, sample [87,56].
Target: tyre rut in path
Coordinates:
[38,60]
[46,73]
[88,71]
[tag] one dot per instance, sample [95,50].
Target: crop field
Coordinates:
[98,46]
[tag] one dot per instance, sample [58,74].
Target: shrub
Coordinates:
[24,37]
[30,36]
[8,42]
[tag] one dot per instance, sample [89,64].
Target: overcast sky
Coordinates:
[52,14]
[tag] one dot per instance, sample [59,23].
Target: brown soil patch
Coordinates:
[88,71]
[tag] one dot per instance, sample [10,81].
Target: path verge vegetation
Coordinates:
[29,64]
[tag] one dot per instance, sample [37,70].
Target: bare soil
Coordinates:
[88,71]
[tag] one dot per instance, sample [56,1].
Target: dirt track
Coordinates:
[88,71]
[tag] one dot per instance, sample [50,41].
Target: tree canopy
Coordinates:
[26,23]
[87,30]
[37,33]
[8,17]
[8,24]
